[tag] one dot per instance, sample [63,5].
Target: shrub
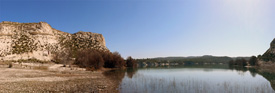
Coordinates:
[238,62]
[63,57]
[241,62]
[118,60]
[89,59]
[231,63]
[112,60]
[253,61]
[94,59]
[131,62]
[108,60]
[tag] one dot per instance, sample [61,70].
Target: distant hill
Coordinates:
[193,59]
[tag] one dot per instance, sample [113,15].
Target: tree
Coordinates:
[241,62]
[131,62]
[231,63]
[244,62]
[253,61]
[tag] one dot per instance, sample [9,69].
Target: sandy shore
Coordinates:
[37,78]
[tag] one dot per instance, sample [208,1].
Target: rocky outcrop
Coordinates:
[269,55]
[39,40]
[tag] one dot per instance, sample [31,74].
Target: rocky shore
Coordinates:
[53,78]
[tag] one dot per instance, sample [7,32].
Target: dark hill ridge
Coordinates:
[39,40]
[194,59]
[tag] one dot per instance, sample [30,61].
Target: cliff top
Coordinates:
[9,23]
[17,23]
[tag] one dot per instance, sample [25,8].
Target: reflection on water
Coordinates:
[131,72]
[115,75]
[270,77]
[267,75]
[194,79]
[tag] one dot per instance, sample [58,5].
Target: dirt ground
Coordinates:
[53,78]
[267,67]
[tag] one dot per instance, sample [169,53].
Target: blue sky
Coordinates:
[158,28]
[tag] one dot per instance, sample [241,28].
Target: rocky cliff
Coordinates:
[269,55]
[40,40]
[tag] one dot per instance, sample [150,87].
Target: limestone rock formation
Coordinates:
[269,55]
[40,40]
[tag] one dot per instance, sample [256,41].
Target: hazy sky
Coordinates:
[157,28]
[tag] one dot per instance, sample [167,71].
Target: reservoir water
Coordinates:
[194,79]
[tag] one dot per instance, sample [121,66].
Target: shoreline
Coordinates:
[50,77]
[54,78]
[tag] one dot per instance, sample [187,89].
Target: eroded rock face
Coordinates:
[40,40]
[269,55]
[272,47]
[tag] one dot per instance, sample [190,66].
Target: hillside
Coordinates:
[193,59]
[22,41]
[269,55]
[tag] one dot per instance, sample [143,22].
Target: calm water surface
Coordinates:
[194,79]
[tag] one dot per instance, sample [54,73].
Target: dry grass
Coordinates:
[268,67]
[5,63]
[5,34]
[38,33]
[41,68]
